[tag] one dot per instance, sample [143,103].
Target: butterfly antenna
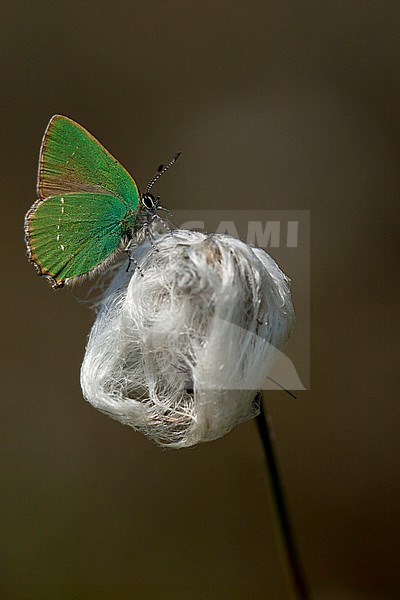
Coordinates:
[160,171]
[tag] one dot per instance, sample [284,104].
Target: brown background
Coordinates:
[278,105]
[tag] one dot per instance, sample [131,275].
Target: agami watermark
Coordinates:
[285,235]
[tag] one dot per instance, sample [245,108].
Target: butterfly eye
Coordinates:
[149,202]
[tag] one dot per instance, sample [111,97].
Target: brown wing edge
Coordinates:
[50,124]
[42,147]
[55,282]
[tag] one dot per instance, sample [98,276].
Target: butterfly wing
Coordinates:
[72,160]
[75,234]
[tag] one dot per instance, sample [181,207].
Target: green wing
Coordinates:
[72,235]
[72,160]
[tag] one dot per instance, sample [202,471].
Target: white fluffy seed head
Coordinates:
[179,351]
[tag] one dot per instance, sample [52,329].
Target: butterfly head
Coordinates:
[150,203]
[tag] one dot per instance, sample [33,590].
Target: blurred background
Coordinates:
[277,105]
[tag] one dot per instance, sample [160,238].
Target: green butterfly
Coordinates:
[89,207]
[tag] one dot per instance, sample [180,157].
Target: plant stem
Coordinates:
[284,530]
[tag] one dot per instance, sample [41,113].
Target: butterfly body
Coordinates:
[88,206]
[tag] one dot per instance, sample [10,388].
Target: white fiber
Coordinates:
[179,350]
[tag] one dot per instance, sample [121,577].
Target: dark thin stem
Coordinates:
[294,570]
[282,388]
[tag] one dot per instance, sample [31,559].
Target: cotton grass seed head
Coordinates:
[179,350]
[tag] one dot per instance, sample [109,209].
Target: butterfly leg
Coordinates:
[167,223]
[131,259]
[135,262]
[148,234]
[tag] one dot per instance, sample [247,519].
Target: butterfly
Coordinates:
[89,208]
